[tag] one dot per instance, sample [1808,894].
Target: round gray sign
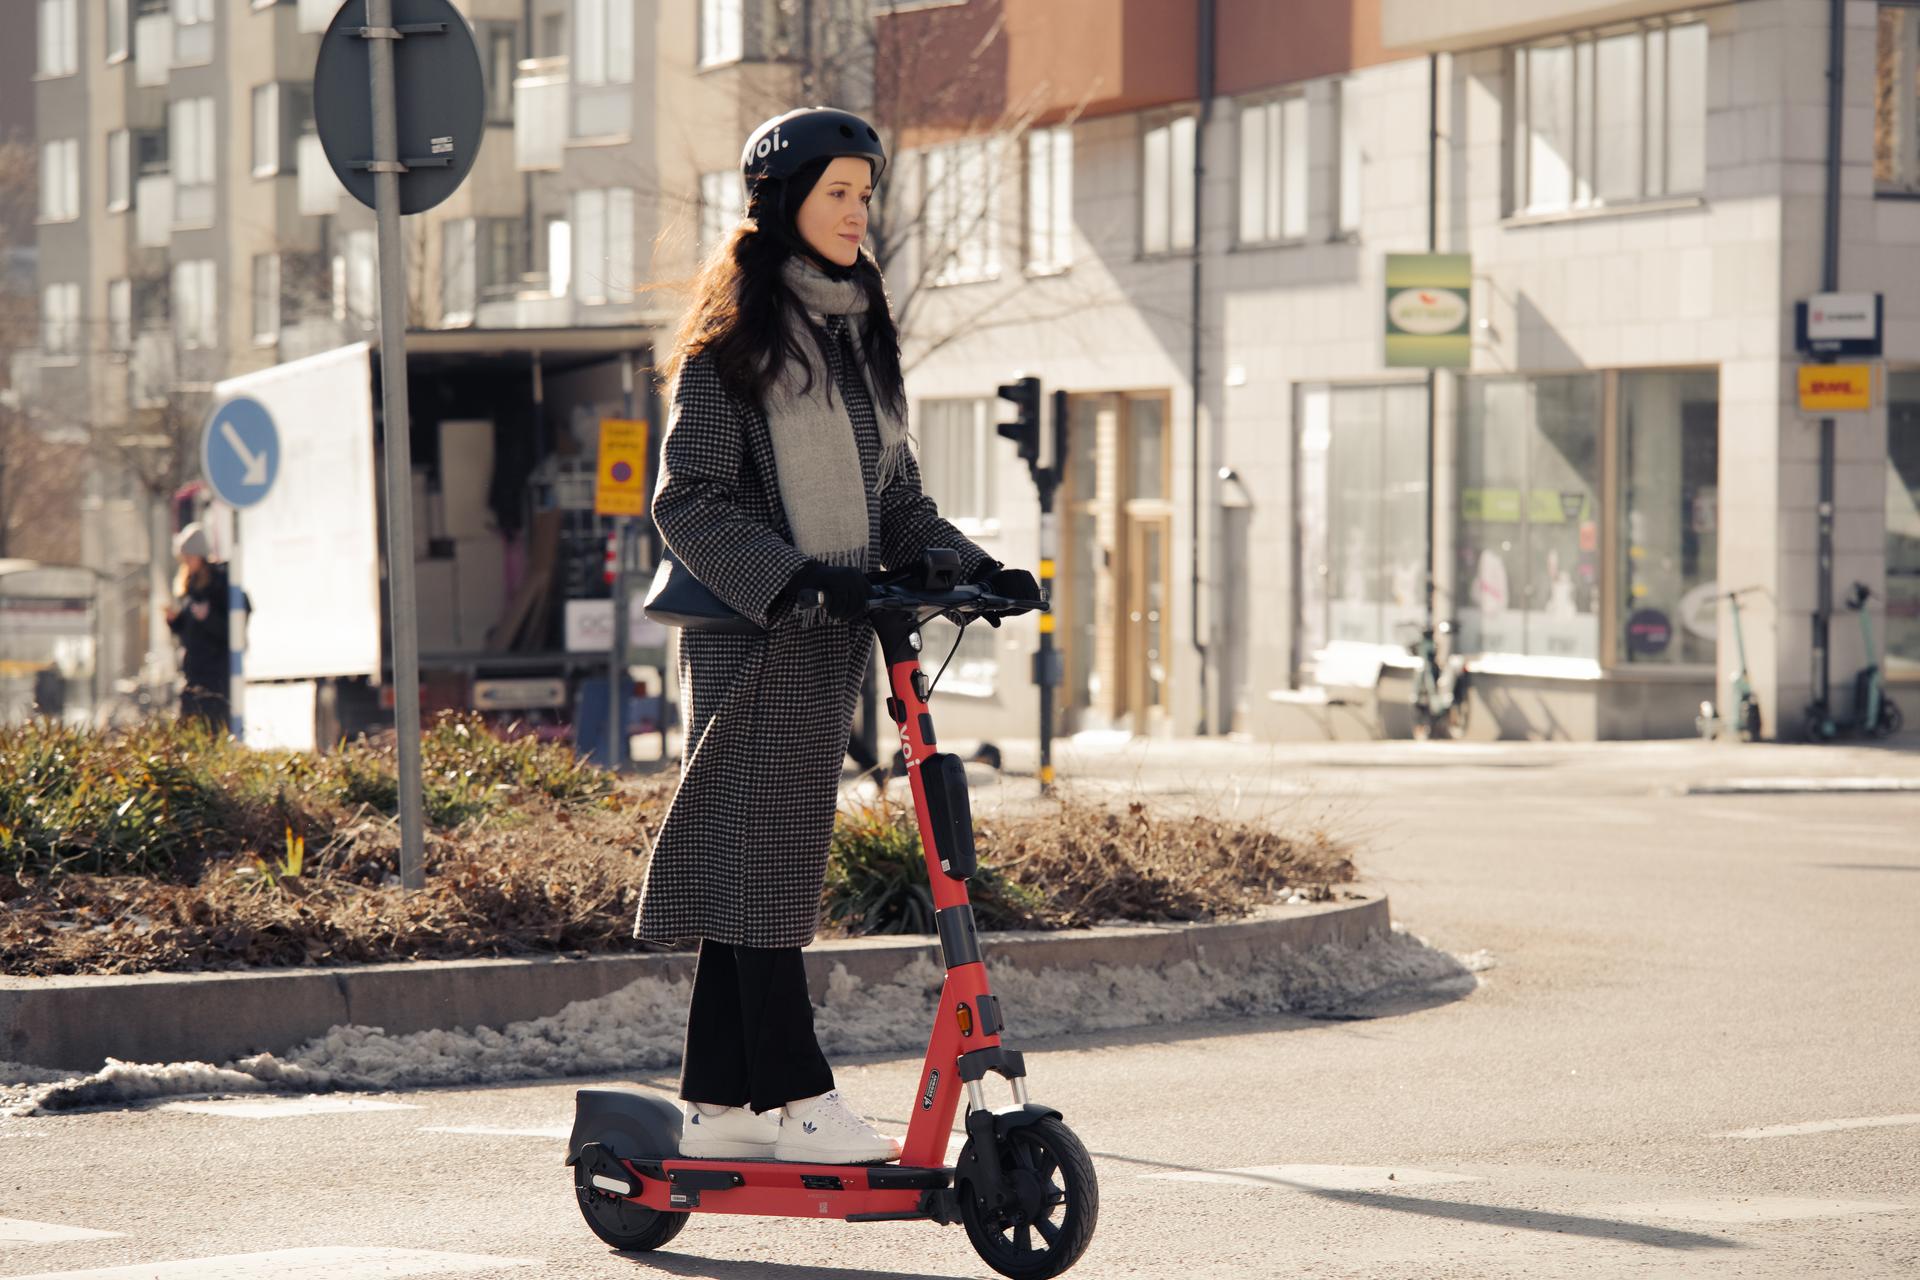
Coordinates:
[439,92]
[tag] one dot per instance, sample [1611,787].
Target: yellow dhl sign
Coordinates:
[1835,388]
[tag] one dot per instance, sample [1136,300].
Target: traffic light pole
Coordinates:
[1024,431]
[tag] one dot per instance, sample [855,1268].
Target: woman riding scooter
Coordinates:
[785,477]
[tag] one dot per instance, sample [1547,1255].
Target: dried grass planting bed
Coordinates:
[164,850]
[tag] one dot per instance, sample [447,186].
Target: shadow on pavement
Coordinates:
[686,1264]
[1463,1211]
[1866,866]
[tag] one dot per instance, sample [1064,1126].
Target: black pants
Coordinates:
[750,1038]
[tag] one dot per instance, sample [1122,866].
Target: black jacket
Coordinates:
[201,625]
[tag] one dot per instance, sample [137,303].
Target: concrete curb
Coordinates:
[79,1022]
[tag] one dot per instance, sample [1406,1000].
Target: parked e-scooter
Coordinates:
[1874,713]
[1440,694]
[1746,707]
[1023,1185]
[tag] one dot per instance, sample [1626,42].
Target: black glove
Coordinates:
[1013,584]
[845,588]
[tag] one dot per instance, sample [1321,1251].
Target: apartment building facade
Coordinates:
[1641,189]
[1177,213]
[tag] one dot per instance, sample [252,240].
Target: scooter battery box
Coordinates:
[944,776]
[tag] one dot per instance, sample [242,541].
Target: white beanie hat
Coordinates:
[191,541]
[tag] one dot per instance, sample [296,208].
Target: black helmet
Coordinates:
[783,145]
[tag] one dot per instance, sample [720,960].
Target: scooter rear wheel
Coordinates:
[623,1224]
[1048,1230]
[1890,718]
[1749,720]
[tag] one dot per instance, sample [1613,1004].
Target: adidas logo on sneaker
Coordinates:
[807,1126]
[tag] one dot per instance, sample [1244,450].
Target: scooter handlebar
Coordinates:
[969,599]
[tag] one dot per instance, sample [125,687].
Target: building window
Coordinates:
[281,114]
[1273,170]
[60,321]
[602,42]
[957,457]
[962,231]
[723,202]
[1609,119]
[601,99]
[60,180]
[1363,496]
[195,160]
[196,304]
[602,223]
[119,31]
[120,315]
[192,32]
[1528,541]
[59,37]
[500,48]
[1166,188]
[559,242]
[266,130]
[266,298]
[119,171]
[1903,523]
[459,292]
[722,31]
[1050,200]
[1347,205]
[1669,539]
[1896,122]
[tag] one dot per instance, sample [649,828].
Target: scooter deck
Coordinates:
[784,1188]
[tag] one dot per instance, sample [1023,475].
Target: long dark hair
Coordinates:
[741,304]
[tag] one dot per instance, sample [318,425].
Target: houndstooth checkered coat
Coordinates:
[742,853]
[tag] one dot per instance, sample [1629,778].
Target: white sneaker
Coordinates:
[736,1132]
[823,1131]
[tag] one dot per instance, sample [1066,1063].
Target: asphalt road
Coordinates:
[1698,1054]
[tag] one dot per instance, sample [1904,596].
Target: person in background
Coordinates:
[198,618]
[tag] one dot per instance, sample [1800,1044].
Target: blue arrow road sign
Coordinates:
[240,451]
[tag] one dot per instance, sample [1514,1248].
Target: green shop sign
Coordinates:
[1428,310]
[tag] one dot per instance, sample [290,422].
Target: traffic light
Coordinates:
[1024,430]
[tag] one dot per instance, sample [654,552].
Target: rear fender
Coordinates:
[627,1124]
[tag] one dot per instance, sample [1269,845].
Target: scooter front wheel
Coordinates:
[1890,718]
[1056,1202]
[623,1224]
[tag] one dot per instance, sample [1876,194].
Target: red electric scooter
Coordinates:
[1023,1185]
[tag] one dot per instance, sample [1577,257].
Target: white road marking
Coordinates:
[273,1108]
[299,1264]
[1320,1177]
[1820,1126]
[559,1132]
[20,1231]
[1732,1209]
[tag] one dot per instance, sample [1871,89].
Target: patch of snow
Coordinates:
[642,1026]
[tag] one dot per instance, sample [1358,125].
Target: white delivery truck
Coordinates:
[510,559]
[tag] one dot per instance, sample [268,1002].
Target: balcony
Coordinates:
[319,188]
[314,15]
[193,206]
[540,114]
[152,49]
[1425,26]
[153,211]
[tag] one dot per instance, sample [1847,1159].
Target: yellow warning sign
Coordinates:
[1835,388]
[621,487]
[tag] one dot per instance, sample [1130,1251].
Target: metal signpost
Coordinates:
[400,105]
[620,492]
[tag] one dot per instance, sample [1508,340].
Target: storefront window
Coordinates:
[1670,542]
[1903,523]
[1529,543]
[1363,496]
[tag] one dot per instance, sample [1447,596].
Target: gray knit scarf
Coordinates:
[814,448]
